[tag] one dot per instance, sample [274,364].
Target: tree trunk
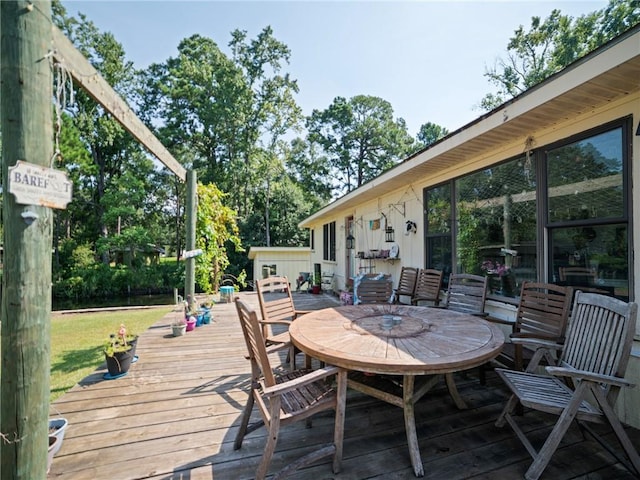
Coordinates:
[27,133]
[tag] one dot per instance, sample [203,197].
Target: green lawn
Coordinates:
[77,340]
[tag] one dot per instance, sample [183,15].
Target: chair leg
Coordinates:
[508,409]
[272,440]
[618,429]
[338,428]
[553,440]
[244,422]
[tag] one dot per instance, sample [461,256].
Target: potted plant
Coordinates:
[119,353]
[317,280]
[179,326]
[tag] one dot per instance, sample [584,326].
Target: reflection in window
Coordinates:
[585,179]
[438,231]
[496,214]
[592,257]
[583,210]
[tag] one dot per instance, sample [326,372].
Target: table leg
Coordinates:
[453,391]
[410,424]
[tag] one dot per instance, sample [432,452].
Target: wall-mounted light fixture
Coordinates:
[389,234]
[350,242]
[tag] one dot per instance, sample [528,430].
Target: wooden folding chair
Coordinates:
[543,312]
[428,286]
[277,308]
[406,284]
[286,398]
[585,384]
[467,293]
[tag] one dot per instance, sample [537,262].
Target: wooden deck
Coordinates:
[176,413]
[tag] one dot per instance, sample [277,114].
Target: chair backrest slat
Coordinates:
[466,293]
[428,286]
[252,331]
[600,335]
[543,310]
[276,301]
[407,281]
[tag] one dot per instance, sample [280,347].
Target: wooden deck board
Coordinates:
[175,416]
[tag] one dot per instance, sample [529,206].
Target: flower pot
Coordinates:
[191,323]
[315,289]
[179,330]
[119,363]
[57,427]
[206,316]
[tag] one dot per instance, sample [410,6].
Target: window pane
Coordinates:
[439,254]
[585,179]
[593,257]
[496,214]
[439,209]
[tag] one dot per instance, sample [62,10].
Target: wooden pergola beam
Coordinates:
[97,87]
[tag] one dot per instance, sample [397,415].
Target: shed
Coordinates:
[282,261]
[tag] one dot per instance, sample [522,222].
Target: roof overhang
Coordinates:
[607,74]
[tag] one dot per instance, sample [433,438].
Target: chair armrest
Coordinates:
[311,377]
[589,376]
[535,343]
[274,322]
[275,347]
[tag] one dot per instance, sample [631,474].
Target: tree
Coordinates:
[552,44]
[360,139]
[215,229]
[429,134]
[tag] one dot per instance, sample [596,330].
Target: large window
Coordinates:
[495,221]
[329,241]
[587,215]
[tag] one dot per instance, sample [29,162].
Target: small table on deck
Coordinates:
[426,341]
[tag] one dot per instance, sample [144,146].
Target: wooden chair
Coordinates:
[277,308]
[288,397]
[467,293]
[543,312]
[373,289]
[593,362]
[406,284]
[582,275]
[428,286]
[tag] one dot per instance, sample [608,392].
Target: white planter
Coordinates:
[57,427]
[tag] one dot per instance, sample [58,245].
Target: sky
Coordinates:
[426,58]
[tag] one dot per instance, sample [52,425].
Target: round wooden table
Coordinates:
[419,341]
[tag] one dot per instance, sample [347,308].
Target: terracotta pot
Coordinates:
[315,289]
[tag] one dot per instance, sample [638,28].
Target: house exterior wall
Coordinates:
[412,249]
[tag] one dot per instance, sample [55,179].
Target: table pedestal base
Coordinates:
[401,391]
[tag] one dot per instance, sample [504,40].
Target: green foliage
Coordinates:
[360,139]
[215,230]
[552,44]
[430,133]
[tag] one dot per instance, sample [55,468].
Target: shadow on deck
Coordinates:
[176,413]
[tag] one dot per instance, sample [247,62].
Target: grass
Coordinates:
[77,342]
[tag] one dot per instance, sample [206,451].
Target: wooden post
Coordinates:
[190,227]
[27,134]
